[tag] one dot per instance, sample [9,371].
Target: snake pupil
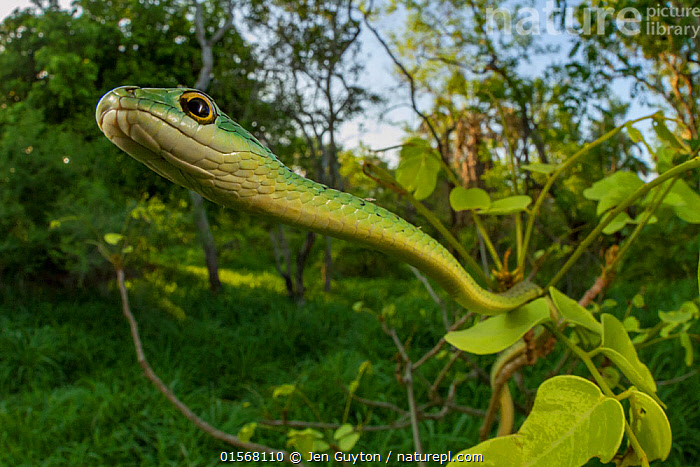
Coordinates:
[198,107]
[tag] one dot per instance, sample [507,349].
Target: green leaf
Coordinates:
[419,167]
[689,208]
[634,134]
[365,367]
[306,441]
[692,308]
[688,346]
[509,205]
[113,238]
[664,159]
[346,437]
[638,301]
[631,324]
[618,223]
[570,423]
[618,347]
[665,134]
[610,375]
[283,390]
[650,426]
[247,432]
[575,313]
[677,316]
[539,167]
[612,190]
[466,200]
[502,331]
[652,220]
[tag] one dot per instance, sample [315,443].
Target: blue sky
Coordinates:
[368,129]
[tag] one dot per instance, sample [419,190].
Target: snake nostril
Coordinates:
[129,89]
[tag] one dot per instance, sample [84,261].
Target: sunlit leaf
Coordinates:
[509,205]
[617,223]
[665,134]
[419,167]
[613,189]
[570,423]
[618,347]
[462,199]
[638,301]
[247,432]
[689,209]
[113,238]
[502,331]
[687,344]
[539,167]
[346,436]
[574,313]
[283,390]
[631,324]
[650,426]
[306,441]
[634,134]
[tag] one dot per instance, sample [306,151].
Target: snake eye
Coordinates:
[198,106]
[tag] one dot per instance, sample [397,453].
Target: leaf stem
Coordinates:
[487,241]
[580,353]
[649,212]
[671,173]
[562,167]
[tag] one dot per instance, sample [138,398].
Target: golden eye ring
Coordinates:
[198,106]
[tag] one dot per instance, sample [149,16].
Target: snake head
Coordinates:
[182,135]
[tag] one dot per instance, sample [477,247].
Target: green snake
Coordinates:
[182,135]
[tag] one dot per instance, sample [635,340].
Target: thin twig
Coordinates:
[480,372]
[433,295]
[408,380]
[443,374]
[442,341]
[334,426]
[677,379]
[165,390]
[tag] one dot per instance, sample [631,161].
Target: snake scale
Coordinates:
[182,135]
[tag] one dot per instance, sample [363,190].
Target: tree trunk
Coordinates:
[205,75]
[207,239]
[302,256]
[327,265]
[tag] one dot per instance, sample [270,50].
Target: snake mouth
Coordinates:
[134,130]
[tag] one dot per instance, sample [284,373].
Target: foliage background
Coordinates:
[71,391]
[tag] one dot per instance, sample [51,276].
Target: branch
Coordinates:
[408,380]
[442,341]
[433,295]
[165,390]
[414,104]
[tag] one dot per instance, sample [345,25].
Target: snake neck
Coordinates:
[267,187]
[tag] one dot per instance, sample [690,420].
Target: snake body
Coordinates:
[182,135]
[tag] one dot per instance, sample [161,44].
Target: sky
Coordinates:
[368,129]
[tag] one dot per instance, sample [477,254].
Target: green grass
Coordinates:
[72,393]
